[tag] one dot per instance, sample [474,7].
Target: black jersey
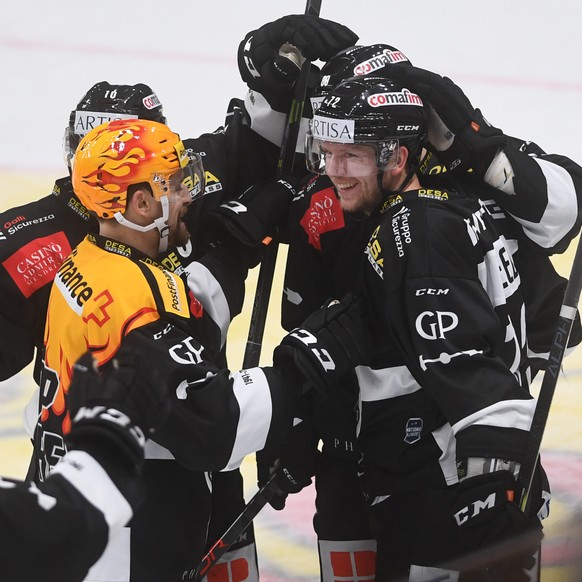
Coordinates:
[450,377]
[326,246]
[55,531]
[34,240]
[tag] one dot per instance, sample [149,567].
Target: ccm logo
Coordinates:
[473,510]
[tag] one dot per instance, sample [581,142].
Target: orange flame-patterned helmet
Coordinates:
[117,154]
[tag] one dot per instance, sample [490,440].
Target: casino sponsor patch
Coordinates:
[36,263]
[323,215]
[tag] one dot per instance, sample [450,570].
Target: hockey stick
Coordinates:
[565,321]
[284,165]
[238,526]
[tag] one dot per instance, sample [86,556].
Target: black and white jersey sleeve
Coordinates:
[57,530]
[542,191]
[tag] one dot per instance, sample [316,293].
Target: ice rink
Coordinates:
[518,61]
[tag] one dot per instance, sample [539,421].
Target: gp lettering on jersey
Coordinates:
[323,215]
[35,264]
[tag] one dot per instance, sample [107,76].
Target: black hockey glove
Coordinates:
[294,463]
[257,213]
[113,410]
[266,61]
[328,345]
[491,522]
[458,133]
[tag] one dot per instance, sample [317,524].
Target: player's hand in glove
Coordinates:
[458,133]
[257,213]
[270,58]
[112,411]
[294,463]
[488,516]
[328,345]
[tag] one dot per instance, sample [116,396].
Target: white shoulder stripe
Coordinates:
[251,390]
[87,476]
[505,414]
[385,383]
[207,290]
[562,210]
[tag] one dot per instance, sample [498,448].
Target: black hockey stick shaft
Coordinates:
[238,526]
[285,165]
[551,374]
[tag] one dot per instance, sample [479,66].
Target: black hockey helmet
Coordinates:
[356,61]
[106,102]
[375,111]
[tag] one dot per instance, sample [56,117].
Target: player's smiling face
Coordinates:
[353,170]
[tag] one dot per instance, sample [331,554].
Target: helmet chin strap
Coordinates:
[160,223]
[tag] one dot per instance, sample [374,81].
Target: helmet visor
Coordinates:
[355,160]
[190,177]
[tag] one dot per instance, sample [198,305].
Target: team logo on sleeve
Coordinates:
[413,430]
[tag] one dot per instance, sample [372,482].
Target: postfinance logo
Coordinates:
[72,285]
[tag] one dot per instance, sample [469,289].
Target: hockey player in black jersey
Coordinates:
[444,406]
[57,529]
[324,249]
[37,236]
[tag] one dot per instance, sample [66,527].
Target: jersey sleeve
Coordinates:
[543,192]
[216,417]
[60,528]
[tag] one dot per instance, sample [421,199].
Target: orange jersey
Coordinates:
[98,297]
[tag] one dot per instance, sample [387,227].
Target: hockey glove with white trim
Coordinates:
[328,345]
[270,58]
[113,410]
[257,213]
[487,514]
[457,132]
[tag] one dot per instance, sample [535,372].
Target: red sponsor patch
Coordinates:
[323,215]
[35,264]
[354,566]
[196,308]
[233,571]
